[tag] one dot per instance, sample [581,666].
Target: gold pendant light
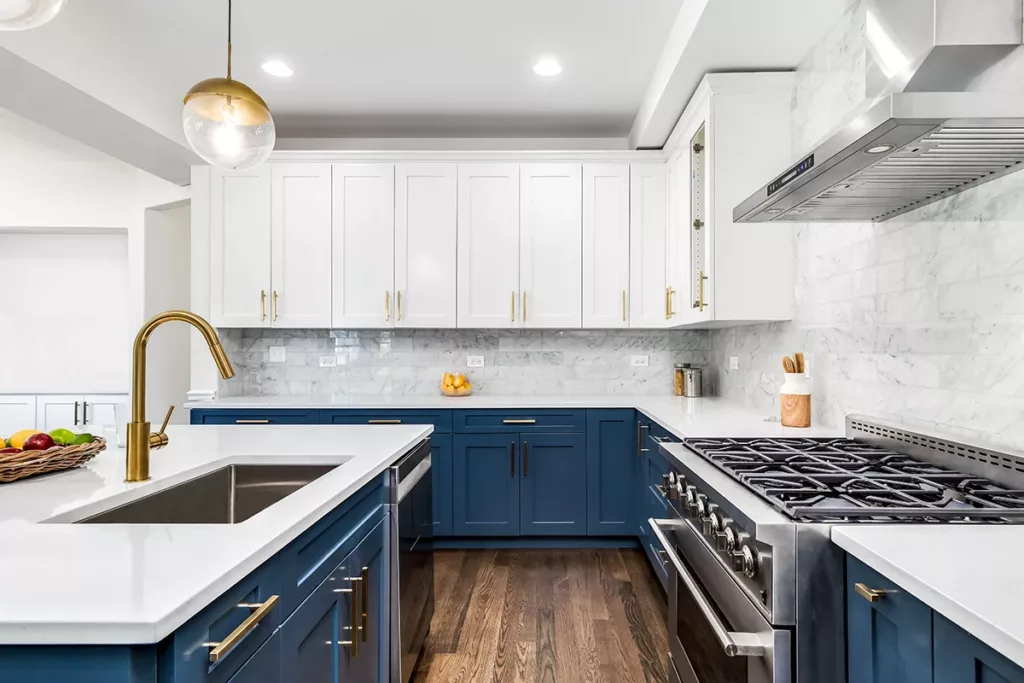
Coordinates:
[20,15]
[226,122]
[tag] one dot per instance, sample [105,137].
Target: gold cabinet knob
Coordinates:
[869,594]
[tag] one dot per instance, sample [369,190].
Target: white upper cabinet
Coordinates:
[57,410]
[488,258]
[649,295]
[605,245]
[425,245]
[240,247]
[301,245]
[550,245]
[733,135]
[363,245]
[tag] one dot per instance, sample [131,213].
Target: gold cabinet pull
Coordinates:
[274,306]
[252,422]
[701,304]
[524,307]
[623,305]
[365,579]
[354,616]
[530,421]
[869,594]
[399,295]
[260,610]
[669,293]
[387,306]
[384,422]
[263,304]
[512,309]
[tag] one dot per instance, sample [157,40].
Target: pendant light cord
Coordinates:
[229,40]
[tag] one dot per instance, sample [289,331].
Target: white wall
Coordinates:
[65,322]
[167,275]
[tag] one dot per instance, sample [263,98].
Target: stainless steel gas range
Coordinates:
[756,588]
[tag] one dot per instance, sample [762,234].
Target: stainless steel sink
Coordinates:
[229,495]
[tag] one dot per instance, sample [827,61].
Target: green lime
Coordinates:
[62,436]
[82,438]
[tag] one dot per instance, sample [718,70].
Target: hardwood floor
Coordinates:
[550,616]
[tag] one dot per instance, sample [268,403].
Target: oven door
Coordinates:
[716,634]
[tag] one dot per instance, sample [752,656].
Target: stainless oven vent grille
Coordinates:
[1002,468]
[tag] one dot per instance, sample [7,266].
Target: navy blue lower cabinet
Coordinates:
[373,661]
[889,632]
[221,416]
[441,470]
[962,658]
[612,466]
[485,499]
[264,666]
[553,486]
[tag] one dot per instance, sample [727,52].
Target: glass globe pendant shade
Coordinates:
[228,124]
[19,15]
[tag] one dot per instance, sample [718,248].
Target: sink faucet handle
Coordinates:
[159,439]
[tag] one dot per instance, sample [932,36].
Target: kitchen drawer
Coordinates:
[218,416]
[184,659]
[440,419]
[519,421]
[656,464]
[310,558]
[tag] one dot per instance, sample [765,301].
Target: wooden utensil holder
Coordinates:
[795,400]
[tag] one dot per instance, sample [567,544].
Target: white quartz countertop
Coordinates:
[967,573]
[684,417]
[128,584]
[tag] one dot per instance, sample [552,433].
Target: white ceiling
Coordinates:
[384,68]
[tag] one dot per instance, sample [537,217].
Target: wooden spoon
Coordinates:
[800,367]
[788,365]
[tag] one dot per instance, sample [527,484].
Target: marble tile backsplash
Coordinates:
[411,362]
[919,318]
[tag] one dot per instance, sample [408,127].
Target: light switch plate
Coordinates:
[734,363]
[640,361]
[474,361]
[328,361]
[277,354]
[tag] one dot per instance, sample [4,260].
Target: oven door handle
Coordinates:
[735,644]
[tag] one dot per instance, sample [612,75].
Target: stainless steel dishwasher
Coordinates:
[412,563]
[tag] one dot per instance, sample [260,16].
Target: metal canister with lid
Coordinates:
[688,381]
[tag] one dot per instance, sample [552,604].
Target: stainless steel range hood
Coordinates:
[920,137]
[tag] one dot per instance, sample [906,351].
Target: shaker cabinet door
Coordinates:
[363,245]
[486,485]
[649,301]
[605,245]
[612,466]
[488,260]
[240,247]
[962,658]
[301,246]
[425,245]
[550,242]
[553,485]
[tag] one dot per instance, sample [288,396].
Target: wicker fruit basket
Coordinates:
[15,466]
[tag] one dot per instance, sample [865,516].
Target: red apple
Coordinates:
[9,450]
[39,442]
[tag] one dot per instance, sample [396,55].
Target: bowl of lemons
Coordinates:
[456,384]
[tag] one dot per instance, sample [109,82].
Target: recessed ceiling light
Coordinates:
[547,67]
[275,67]
[879,149]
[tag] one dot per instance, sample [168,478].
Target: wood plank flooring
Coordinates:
[545,616]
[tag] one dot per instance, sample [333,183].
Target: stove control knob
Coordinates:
[680,488]
[730,539]
[701,507]
[751,561]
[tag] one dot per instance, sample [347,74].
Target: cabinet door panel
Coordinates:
[612,459]
[425,245]
[488,262]
[240,247]
[58,411]
[99,410]
[441,469]
[962,658]
[647,260]
[550,245]
[301,245]
[372,664]
[486,482]
[363,245]
[17,413]
[605,245]
[553,499]
[889,641]
[264,666]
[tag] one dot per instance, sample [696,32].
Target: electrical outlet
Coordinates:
[277,354]
[640,361]
[328,361]
[734,363]
[474,361]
